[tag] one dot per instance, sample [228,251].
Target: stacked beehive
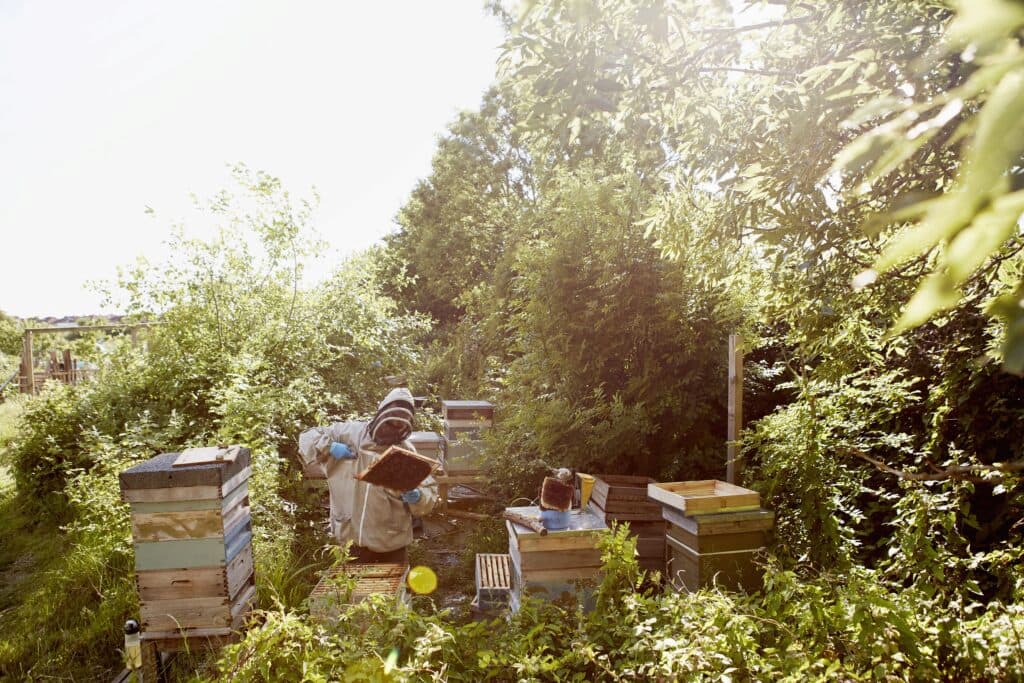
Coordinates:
[623,498]
[714,531]
[352,583]
[464,421]
[553,564]
[193,545]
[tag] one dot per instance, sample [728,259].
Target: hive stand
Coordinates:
[464,423]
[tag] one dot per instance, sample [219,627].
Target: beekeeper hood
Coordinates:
[393,422]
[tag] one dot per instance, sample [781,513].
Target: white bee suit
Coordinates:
[370,516]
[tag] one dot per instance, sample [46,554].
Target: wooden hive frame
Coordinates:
[370,579]
[703,497]
[493,579]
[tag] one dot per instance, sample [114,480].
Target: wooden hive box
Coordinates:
[704,497]
[551,565]
[476,411]
[464,457]
[493,580]
[716,549]
[352,583]
[192,534]
[464,430]
[623,498]
[430,444]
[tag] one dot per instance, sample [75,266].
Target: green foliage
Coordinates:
[69,612]
[245,355]
[978,115]
[454,228]
[853,627]
[10,335]
[611,369]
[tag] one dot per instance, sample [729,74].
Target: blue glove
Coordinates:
[340,451]
[412,497]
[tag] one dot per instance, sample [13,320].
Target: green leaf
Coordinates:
[982,21]
[936,293]
[974,244]
[945,216]
[999,139]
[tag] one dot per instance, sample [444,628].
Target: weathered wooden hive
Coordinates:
[554,564]
[192,533]
[714,531]
[464,423]
[623,498]
[352,583]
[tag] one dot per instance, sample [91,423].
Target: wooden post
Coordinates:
[734,459]
[69,373]
[29,386]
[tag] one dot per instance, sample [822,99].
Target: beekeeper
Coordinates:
[377,520]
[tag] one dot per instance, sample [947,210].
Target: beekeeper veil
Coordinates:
[393,422]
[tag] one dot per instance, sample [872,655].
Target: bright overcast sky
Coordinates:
[109,107]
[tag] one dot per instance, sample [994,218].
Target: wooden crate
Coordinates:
[704,497]
[464,430]
[722,523]
[157,480]
[740,535]
[623,498]
[467,410]
[493,580]
[196,582]
[334,590]
[612,488]
[178,613]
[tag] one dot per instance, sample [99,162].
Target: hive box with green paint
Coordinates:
[192,533]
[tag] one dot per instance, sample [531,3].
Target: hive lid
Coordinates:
[484,405]
[425,438]
[160,473]
[581,522]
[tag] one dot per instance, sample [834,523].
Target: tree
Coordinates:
[455,226]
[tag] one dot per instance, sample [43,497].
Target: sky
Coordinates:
[107,108]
